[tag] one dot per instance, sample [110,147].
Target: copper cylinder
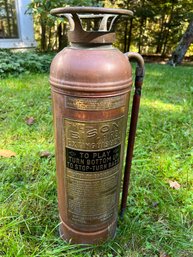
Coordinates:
[91,83]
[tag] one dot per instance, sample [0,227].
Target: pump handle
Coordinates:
[139,75]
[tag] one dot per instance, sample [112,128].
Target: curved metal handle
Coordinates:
[139,75]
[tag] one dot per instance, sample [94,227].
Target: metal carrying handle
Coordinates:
[139,75]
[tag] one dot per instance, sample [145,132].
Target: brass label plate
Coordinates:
[95,104]
[93,155]
[92,196]
[95,161]
[93,135]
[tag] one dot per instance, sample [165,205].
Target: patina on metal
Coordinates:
[91,84]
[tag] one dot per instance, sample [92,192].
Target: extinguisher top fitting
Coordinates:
[91,25]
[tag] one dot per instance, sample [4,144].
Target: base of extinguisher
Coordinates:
[78,237]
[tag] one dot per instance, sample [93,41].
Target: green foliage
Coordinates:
[156,28]
[158,219]
[14,63]
[51,38]
[157,25]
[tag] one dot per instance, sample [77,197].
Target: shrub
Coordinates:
[14,63]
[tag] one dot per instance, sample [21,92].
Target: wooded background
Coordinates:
[161,28]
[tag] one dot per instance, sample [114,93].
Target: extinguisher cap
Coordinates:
[91,25]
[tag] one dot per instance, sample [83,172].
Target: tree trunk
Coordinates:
[141,29]
[59,32]
[160,36]
[168,29]
[130,34]
[49,47]
[181,49]
[43,34]
[65,37]
[125,36]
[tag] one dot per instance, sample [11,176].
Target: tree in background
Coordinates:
[182,47]
[156,28]
[44,22]
[51,31]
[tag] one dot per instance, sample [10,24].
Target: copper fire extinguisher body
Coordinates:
[90,90]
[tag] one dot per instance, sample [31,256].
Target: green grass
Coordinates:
[157,219]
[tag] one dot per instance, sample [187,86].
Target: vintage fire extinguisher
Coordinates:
[91,84]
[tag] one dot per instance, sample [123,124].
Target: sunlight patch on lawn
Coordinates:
[161,106]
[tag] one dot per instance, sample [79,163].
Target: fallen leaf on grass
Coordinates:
[45,154]
[7,153]
[30,121]
[174,184]
[162,254]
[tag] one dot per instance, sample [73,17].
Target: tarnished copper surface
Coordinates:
[91,83]
[90,72]
[89,152]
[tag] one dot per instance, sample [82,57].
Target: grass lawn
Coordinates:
[158,219]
